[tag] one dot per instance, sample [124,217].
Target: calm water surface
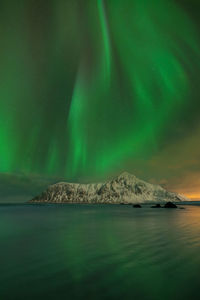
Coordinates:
[99,252]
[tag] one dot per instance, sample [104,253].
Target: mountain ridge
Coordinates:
[125,188]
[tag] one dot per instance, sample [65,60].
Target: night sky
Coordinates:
[91,88]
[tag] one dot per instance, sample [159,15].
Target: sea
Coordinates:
[74,251]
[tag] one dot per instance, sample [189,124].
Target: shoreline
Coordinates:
[43,203]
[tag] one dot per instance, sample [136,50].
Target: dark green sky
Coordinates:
[90,88]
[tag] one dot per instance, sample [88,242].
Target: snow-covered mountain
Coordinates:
[125,188]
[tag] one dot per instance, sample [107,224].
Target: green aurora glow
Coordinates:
[113,117]
[88,86]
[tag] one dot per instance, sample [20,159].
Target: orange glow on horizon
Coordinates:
[193,196]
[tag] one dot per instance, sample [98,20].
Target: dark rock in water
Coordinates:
[122,203]
[170,205]
[156,206]
[137,206]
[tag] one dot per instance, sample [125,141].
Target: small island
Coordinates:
[124,189]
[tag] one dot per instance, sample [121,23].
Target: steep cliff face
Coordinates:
[125,188]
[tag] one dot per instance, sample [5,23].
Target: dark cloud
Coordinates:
[21,187]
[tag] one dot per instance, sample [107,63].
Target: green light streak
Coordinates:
[149,51]
[105,37]
[86,88]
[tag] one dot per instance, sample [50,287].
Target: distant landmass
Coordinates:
[126,188]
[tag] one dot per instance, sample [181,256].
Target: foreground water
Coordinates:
[99,252]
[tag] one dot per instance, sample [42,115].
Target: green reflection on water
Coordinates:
[98,252]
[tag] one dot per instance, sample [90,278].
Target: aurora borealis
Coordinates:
[91,88]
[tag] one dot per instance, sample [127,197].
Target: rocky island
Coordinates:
[126,188]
